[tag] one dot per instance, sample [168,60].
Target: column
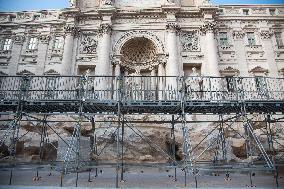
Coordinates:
[42,51]
[172,68]
[18,41]
[103,66]
[211,66]
[241,53]
[68,50]
[269,52]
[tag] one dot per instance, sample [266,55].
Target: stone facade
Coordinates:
[144,37]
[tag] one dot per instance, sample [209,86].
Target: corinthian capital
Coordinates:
[72,30]
[238,34]
[266,34]
[173,27]
[105,28]
[44,38]
[209,26]
[19,39]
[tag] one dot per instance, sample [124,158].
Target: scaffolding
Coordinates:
[34,99]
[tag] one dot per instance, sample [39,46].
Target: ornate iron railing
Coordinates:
[144,88]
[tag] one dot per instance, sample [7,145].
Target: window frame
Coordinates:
[57,45]
[32,43]
[251,38]
[224,41]
[279,39]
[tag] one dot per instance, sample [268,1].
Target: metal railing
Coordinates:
[141,88]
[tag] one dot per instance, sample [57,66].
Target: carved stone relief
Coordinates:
[88,44]
[189,41]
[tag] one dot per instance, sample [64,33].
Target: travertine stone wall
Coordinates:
[186,34]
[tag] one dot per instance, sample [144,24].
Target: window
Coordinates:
[58,42]
[245,12]
[223,38]
[32,45]
[7,44]
[251,39]
[272,12]
[279,41]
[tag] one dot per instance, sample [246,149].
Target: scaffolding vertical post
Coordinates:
[95,147]
[119,83]
[173,145]
[122,149]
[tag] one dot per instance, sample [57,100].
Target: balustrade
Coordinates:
[141,88]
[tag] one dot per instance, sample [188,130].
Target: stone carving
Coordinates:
[173,26]
[88,44]
[19,39]
[266,34]
[259,11]
[107,2]
[194,84]
[232,11]
[105,28]
[238,34]
[72,3]
[72,30]
[190,41]
[44,38]
[208,27]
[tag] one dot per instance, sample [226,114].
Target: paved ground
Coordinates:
[142,178]
[52,187]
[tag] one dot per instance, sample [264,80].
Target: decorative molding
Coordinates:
[208,26]
[172,27]
[258,69]
[134,34]
[105,28]
[19,39]
[190,41]
[230,71]
[88,44]
[25,72]
[71,29]
[266,34]
[44,38]
[238,35]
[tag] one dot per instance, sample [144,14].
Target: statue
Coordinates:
[107,2]
[72,3]
[194,85]
[169,2]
